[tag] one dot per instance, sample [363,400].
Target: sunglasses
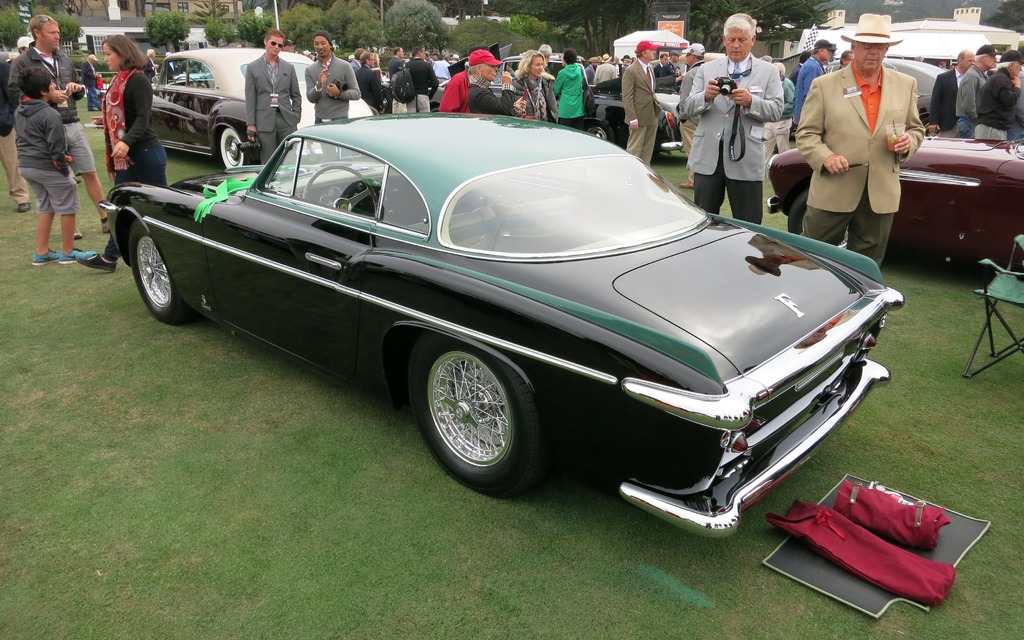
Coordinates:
[276,44]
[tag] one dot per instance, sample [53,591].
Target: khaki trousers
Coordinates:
[866,232]
[17,186]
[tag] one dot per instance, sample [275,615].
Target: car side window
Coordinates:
[175,72]
[403,205]
[199,75]
[330,176]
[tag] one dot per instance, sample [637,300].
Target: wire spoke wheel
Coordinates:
[153,272]
[470,408]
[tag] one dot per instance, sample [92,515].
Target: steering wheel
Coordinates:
[347,202]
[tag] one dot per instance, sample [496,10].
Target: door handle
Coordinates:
[332,264]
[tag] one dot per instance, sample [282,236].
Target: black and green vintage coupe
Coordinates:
[535,295]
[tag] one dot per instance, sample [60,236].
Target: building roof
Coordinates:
[937,25]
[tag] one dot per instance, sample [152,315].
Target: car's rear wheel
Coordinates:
[154,281]
[230,154]
[598,130]
[477,415]
[796,213]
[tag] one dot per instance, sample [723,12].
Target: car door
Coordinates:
[196,102]
[284,260]
[168,120]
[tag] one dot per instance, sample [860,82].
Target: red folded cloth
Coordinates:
[911,524]
[862,553]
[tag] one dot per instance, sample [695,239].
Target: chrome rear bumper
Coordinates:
[726,519]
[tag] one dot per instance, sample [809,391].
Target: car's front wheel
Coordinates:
[153,280]
[230,154]
[477,415]
[598,130]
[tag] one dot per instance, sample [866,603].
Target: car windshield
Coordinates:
[566,208]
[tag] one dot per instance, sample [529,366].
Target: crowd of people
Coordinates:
[734,112]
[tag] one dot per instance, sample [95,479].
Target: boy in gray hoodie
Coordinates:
[43,162]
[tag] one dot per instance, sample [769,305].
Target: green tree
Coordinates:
[1009,15]
[70,30]
[168,28]
[211,10]
[363,28]
[411,23]
[300,22]
[527,25]
[483,32]
[10,29]
[252,28]
[219,33]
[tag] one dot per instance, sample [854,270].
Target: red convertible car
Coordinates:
[961,198]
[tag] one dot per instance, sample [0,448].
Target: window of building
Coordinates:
[182,7]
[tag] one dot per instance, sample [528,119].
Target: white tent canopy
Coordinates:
[626,45]
[929,46]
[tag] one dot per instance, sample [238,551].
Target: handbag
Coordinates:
[589,101]
[865,555]
[914,524]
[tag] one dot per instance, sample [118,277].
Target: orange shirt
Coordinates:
[870,97]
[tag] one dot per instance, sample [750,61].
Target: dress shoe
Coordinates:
[24,207]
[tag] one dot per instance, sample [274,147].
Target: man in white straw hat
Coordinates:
[855,185]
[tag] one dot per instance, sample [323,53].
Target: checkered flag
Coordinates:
[812,37]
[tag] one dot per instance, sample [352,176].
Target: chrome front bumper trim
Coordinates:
[726,520]
[671,146]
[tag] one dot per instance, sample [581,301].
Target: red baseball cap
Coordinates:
[646,45]
[483,56]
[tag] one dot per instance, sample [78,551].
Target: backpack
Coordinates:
[402,87]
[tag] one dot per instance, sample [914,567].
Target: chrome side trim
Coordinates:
[726,520]
[916,175]
[433,321]
[325,262]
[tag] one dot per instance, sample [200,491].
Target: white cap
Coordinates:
[24,41]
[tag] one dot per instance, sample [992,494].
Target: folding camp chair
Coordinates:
[1006,286]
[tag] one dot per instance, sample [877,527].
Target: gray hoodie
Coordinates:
[41,143]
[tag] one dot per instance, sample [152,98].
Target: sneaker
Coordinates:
[24,207]
[97,262]
[51,256]
[73,256]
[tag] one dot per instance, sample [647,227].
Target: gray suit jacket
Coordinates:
[716,119]
[257,95]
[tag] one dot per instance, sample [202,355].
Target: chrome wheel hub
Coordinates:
[153,273]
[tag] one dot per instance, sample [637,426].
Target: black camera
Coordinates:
[239,147]
[726,85]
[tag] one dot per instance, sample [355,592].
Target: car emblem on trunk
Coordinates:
[786,300]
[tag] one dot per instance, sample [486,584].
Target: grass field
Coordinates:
[183,482]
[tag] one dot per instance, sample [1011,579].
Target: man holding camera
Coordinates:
[733,96]
[330,81]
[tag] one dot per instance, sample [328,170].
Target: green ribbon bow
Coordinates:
[220,194]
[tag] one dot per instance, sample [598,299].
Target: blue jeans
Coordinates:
[1015,134]
[94,98]
[965,128]
[148,166]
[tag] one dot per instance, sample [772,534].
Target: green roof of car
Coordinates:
[438,152]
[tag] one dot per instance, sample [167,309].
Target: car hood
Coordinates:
[747,296]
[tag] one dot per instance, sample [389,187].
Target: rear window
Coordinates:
[566,208]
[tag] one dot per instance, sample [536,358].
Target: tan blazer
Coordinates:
[833,123]
[638,96]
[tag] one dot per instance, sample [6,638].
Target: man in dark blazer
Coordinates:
[728,145]
[942,112]
[642,106]
[273,104]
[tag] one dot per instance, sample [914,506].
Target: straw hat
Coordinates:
[873,29]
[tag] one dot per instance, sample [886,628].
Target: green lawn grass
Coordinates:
[183,482]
